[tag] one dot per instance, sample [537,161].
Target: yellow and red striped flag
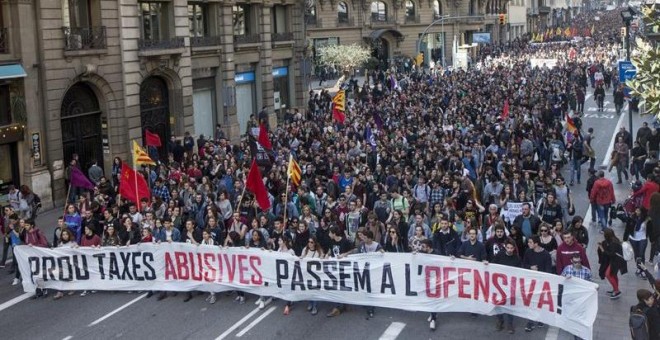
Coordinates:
[140,156]
[294,172]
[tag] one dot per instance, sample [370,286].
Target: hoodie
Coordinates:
[565,254]
[602,193]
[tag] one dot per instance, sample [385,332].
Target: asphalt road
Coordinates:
[107,315]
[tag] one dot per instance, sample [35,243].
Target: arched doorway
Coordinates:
[380,49]
[155,111]
[81,126]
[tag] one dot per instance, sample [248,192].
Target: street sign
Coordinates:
[627,71]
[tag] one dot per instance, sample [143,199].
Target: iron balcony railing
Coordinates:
[205,41]
[162,44]
[412,19]
[84,38]
[285,36]
[4,41]
[246,39]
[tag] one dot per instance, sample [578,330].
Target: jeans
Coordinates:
[580,106]
[506,317]
[594,212]
[603,211]
[5,249]
[639,248]
[622,167]
[637,169]
[618,108]
[575,168]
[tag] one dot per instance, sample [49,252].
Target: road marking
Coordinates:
[15,301]
[68,337]
[393,331]
[553,333]
[255,322]
[238,324]
[103,318]
[608,154]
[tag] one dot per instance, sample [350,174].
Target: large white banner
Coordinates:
[414,282]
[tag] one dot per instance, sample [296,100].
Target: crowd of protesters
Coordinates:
[426,161]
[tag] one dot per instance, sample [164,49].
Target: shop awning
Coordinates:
[10,71]
[378,33]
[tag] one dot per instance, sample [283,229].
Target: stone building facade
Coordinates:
[394,27]
[99,73]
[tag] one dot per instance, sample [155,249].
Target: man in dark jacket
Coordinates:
[508,257]
[590,184]
[445,239]
[647,305]
[528,223]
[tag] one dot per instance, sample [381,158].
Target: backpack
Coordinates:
[628,253]
[556,154]
[639,328]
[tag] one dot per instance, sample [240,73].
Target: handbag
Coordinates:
[571,210]
[628,253]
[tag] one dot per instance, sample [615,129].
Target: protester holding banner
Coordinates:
[507,257]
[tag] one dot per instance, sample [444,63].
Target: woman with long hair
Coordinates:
[610,257]
[637,233]
[312,251]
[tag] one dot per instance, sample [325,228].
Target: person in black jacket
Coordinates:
[580,233]
[619,97]
[427,248]
[590,184]
[132,234]
[538,259]
[445,239]
[647,304]
[610,257]
[508,257]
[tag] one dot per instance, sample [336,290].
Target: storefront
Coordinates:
[12,129]
[204,106]
[245,98]
[281,88]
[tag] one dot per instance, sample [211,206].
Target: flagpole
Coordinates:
[286,189]
[66,201]
[137,193]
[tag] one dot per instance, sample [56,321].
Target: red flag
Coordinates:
[152,139]
[256,185]
[263,138]
[505,111]
[132,185]
[570,124]
[338,115]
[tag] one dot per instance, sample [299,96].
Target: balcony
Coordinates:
[282,37]
[4,41]
[381,20]
[437,16]
[345,22]
[314,22]
[412,19]
[246,39]
[152,48]
[84,38]
[544,9]
[205,41]
[163,44]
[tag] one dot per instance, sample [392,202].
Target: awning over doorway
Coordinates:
[378,33]
[10,71]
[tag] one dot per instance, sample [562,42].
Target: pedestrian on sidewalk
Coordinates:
[637,231]
[602,194]
[622,149]
[610,257]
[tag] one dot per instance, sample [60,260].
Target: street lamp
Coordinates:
[627,16]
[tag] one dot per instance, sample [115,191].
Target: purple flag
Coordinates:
[378,120]
[79,180]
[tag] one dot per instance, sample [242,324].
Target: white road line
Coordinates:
[553,333]
[238,324]
[393,331]
[608,154]
[103,318]
[15,301]
[255,322]
[68,337]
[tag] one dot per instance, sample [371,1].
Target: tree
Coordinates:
[348,56]
[646,59]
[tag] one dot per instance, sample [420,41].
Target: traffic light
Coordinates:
[623,32]
[502,19]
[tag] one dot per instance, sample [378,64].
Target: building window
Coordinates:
[378,11]
[342,12]
[5,106]
[279,19]
[310,14]
[80,13]
[437,9]
[153,20]
[410,10]
[197,19]
[474,7]
[241,19]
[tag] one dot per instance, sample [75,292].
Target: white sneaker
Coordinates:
[212,299]
[432,325]
[15,282]
[429,319]
[261,304]
[259,301]
[84,293]
[268,301]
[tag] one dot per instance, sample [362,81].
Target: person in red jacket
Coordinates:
[602,194]
[567,249]
[645,192]
[35,238]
